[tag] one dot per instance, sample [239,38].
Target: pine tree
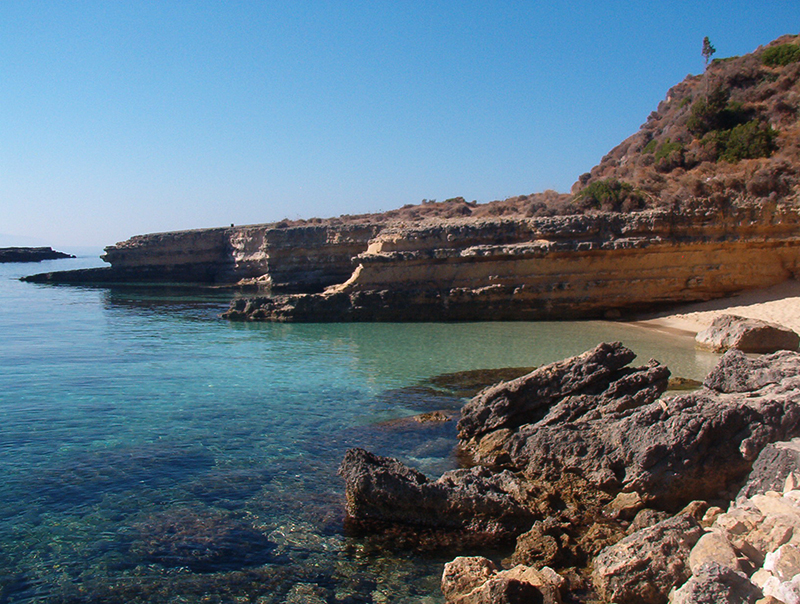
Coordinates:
[708,50]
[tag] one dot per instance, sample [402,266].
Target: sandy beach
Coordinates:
[777,304]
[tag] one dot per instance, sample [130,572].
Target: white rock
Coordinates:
[784,562]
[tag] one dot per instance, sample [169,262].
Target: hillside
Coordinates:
[729,135]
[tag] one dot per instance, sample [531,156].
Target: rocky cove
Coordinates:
[610,491]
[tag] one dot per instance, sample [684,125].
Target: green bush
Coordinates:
[610,195]
[750,140]
[781,55]
[668,148]
[650,147]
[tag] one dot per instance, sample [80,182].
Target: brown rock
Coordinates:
[713,583]
[624,506]
[478,500]
[464,574]
[476,581]
[784,562]
[713,547]
[644,566]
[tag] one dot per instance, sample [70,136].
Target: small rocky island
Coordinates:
[30,254]
[608,491]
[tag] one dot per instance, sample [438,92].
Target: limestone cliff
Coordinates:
[552,268]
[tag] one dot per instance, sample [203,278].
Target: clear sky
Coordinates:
[120,118]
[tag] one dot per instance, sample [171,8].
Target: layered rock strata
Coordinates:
[551,268]
[289,259]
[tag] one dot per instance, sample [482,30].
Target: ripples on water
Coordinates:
[154,453]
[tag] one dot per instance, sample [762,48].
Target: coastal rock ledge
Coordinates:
[608,485]
[564,267]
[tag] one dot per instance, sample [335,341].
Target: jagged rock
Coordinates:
[476,499]
[464,574]
[737,373]
[671,451]
[646,518]
[644,566]
[747,335]
[625,506]
[784,562]
[475,580]
[529,398]
[713,583]
[787,592]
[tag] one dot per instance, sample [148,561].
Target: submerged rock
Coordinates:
[199,539]
[747,335]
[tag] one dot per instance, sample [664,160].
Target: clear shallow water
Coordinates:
[155,453]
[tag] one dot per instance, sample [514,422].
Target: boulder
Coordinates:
[476,499]
[643,567]
[747,335]
[713,583]
[464,574]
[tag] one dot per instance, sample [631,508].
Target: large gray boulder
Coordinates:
[776,462]
[748,335]
[478,500]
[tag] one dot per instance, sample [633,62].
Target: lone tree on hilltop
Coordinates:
[708,50]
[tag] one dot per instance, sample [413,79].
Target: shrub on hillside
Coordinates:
[715,112]
[610,195]
[780,55]
[668,156]
[745,141]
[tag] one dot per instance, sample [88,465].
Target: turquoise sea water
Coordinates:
[152,452]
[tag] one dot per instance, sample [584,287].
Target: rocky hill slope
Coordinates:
[702,202]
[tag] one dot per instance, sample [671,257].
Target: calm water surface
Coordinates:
[155,453]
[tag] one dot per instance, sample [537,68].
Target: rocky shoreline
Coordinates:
[611,491]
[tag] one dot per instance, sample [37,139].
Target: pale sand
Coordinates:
[778,304]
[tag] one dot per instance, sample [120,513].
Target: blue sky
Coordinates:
[121,118]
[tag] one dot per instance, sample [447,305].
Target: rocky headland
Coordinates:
[703,201]
[609,490]
[30,254]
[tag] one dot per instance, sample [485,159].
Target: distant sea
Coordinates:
[152,452]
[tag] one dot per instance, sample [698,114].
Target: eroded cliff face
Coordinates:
[305,258]
[552,268]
